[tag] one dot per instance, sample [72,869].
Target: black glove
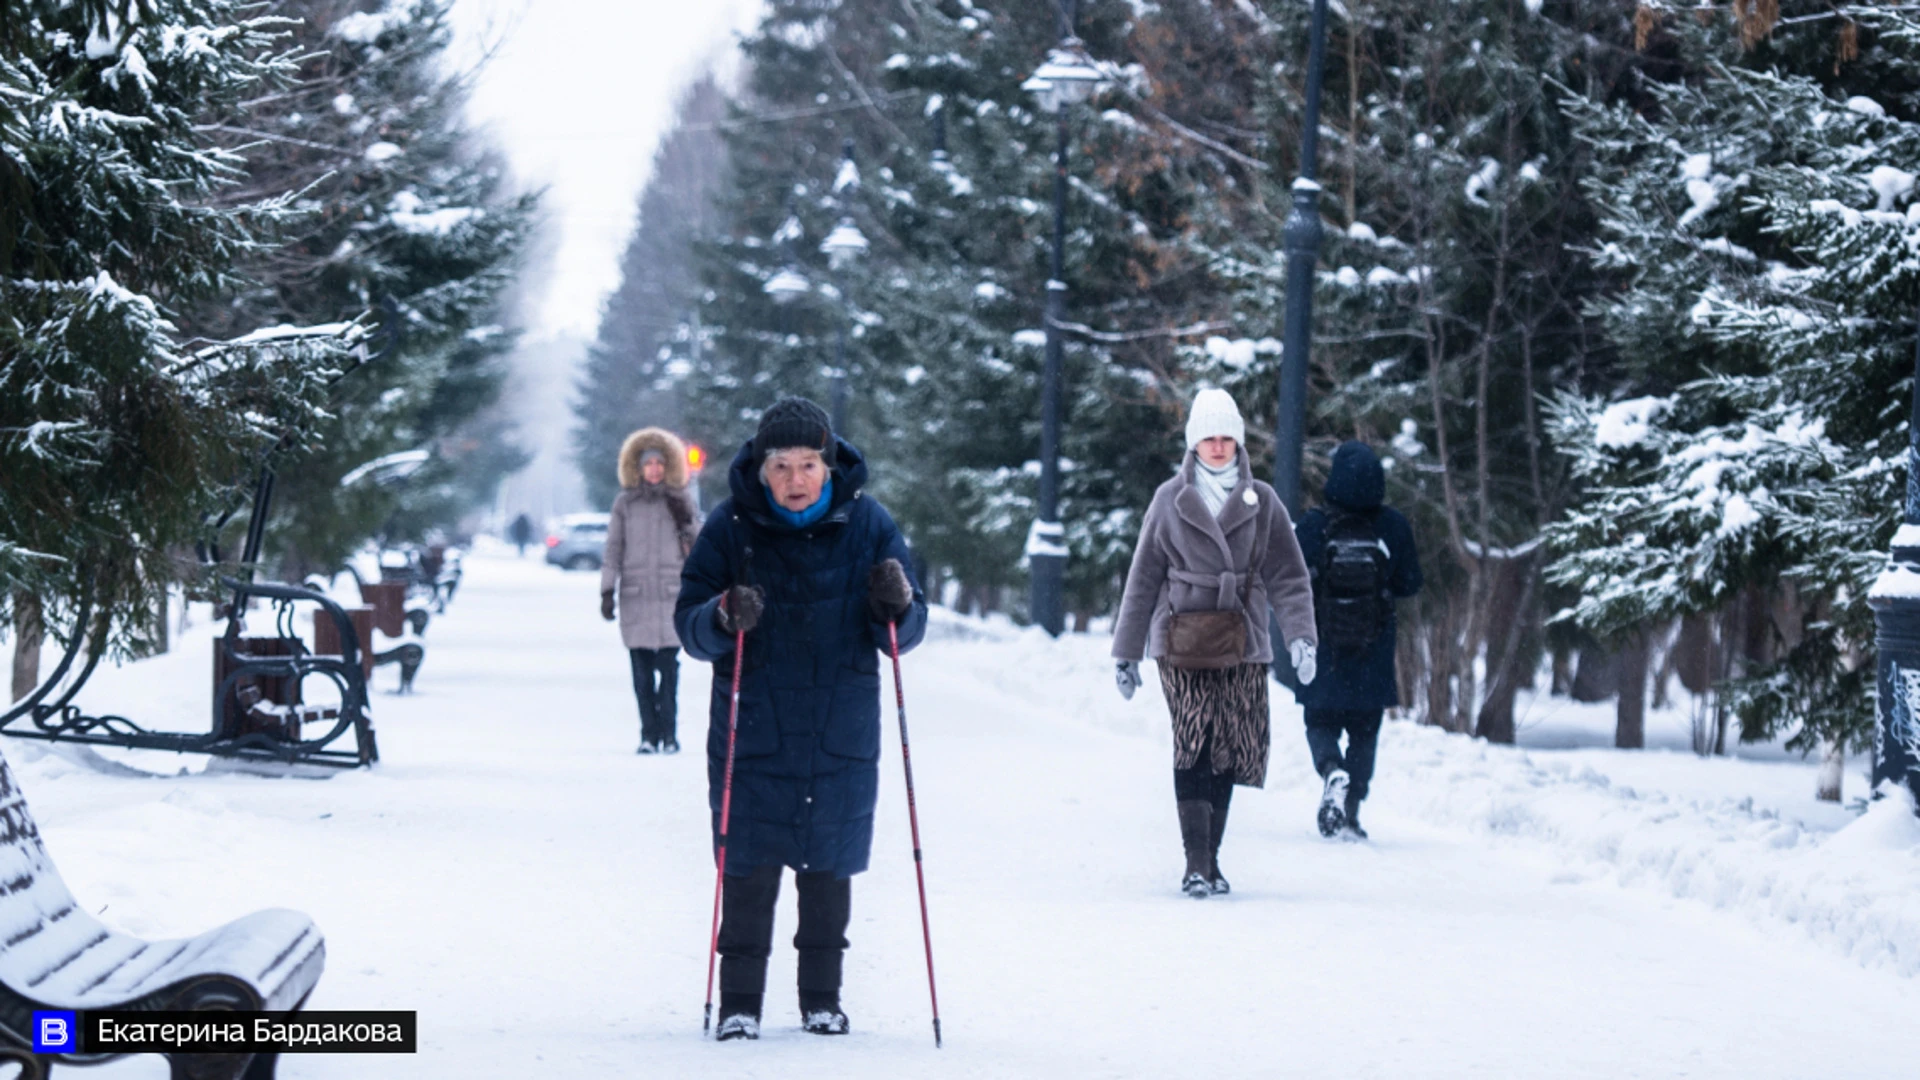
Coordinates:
[740,609]
[889,593]
[606,606]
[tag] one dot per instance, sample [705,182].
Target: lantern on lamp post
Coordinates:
[843,247]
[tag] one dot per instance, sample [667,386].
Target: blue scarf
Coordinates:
[800,519]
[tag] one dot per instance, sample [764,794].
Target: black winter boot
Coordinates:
[1196,835]
[820,1013]
[1216,881]
[739,1017]
[1353,829]
[1333,804]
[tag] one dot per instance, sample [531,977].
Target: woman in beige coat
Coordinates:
[1216,554]
[651,530]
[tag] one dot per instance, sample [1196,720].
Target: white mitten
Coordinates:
[1304,667]
[1126,675]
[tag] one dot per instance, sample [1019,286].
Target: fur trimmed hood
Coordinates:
[653,438]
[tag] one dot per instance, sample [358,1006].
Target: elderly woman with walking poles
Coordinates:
[649,533]
[1216,554]
[796,586]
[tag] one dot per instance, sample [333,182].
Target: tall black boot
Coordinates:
[826,905]
[1217,881]
[746,940]
[1196,836]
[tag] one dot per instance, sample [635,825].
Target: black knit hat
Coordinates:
[792,422]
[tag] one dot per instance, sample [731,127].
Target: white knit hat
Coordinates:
[1214,413]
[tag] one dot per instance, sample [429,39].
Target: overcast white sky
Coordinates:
[578,94]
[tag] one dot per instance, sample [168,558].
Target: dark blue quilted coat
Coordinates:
[806,767]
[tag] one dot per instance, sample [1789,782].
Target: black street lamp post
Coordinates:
[1068,78]
[1303,254]
[1895,599]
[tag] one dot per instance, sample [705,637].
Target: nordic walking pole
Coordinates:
[726,806]
[913,819]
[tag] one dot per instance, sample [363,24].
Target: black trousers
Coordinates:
[1199,781]
[656,683]
[746,929]
[1362,729]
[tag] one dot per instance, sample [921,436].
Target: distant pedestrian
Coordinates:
[521,533]
[813,570]
[1216,553]
[1362,557]
[648,536]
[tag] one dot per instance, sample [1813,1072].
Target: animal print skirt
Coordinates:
[1222,712]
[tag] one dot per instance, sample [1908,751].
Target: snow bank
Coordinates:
[1851,890]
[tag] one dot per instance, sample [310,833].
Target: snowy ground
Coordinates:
[541,895]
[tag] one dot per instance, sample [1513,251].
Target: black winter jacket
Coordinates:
[1365,680]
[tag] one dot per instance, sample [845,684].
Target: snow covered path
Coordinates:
[541,895]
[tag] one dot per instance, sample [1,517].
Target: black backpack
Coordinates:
[1350,598]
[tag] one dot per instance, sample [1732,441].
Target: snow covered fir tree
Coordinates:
[119,430]
[405,217]
[236,235]
[1747,473]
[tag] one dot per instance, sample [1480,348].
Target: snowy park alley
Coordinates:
[540,894]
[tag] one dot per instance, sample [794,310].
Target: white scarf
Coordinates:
[1216,484]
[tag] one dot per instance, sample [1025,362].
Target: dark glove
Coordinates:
[740,609]
[606,606]
[889,593]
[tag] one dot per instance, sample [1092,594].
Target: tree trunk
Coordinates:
[1693,654]
[1440,670]
[1597,677]
[28,632]
[1630,711]
[1510,656]
[163,624]
[1562,671]
[1409,668]
[1833,772]
[1663,675]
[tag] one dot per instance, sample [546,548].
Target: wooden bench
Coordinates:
[440,565]
[55,955]
[268,704]
[388,600]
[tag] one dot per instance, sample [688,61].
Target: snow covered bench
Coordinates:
[55,955]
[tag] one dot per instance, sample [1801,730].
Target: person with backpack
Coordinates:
[1216,554]
[812,571]
[1362,557]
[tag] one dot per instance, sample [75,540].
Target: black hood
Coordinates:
[1355,480]
[743,480]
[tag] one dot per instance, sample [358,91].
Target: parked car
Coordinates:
[577,541]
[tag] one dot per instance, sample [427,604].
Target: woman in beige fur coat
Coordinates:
[651,531]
